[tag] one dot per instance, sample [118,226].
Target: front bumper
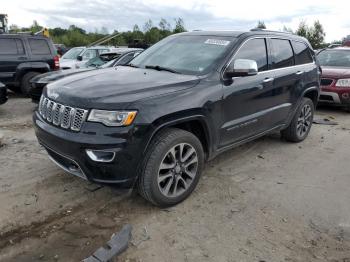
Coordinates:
[335,95]
[68,150]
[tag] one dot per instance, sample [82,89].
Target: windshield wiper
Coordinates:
[162,68]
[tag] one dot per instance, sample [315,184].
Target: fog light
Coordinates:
[100,155]
[345,95]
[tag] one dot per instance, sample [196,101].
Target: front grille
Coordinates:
[60,115]
[326,81]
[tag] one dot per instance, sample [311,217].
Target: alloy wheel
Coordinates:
[304,120]
[177,170]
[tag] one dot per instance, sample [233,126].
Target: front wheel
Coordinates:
[301,123]
[172,168]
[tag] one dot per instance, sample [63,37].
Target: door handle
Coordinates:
[268,80]
[22,58]
[299,73]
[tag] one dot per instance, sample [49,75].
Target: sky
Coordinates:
[122,15]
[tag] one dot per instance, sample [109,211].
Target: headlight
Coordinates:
[343,82]
[112,118]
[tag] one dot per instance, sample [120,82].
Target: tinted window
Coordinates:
[302,53]
[39,47]
[283,53]
[20,48]
[254,49]
[8,46]
[126,59]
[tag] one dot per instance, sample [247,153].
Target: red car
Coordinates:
[335,79]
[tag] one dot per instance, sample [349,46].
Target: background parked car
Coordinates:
[335,80]
[78,56]
[23,56]
[3,93]
[61,49]
[121,56]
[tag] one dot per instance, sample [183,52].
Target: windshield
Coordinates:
[338,58]
[186,54]
[72,53]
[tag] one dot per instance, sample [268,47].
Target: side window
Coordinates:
[8,46]
[39,46]
[254,49]
[88,54]
[283,53]
[302,53]
[126,59]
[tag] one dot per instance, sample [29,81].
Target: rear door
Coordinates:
[288,78]
[12,53]
[305,61]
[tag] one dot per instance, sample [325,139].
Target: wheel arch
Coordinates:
[312,93]
[196,125]
[25,68]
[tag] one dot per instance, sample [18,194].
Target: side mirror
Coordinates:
[242,67]
[79,58]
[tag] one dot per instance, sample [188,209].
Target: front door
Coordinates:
[245,99]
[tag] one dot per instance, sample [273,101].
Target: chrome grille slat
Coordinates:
[61,115]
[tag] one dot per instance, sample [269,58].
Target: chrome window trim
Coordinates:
[270,70]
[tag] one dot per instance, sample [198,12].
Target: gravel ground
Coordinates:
[268,200]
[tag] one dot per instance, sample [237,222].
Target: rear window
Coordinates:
[11,46]
[302,53]
[39,46]
[283,53]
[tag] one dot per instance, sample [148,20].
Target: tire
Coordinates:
[300,126]
[25,83]
[162,169]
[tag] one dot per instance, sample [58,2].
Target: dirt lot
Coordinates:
[265,201]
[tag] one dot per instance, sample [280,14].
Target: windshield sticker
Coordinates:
[217,42]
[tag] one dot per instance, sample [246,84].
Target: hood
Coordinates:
[335,72]
[106,88]
[56,75]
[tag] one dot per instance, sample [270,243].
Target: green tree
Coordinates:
[179,26]
[152,36]
[261,25]
[148,25]
[303,30]
[315,34]
[35,27]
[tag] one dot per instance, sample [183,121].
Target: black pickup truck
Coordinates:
[23,56]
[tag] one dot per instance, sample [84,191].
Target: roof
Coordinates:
[215,33]
[235,34]
[123,50]
[346,48]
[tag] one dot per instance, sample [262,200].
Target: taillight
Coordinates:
[56,60]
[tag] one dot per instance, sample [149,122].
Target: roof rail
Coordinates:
[270,31]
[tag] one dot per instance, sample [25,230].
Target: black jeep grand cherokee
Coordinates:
[183,101]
